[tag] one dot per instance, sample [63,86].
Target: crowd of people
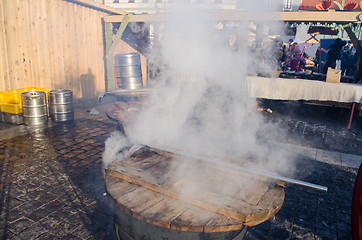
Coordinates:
[291,58]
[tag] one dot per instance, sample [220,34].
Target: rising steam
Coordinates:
[202,106]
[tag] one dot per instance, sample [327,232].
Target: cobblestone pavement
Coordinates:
[52,183]
[52,187]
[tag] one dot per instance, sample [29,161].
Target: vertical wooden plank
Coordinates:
[95,64]
[45,51]
[109,60]
[84,57]
[4,67]
[30,43]
[57,12]
[96,45]
[69,81]
[16,47]
[34,15]
[39,45]
[97,56]
[100,76]
[12,42]
[89,81]
[85,22]
[23,47]
[50,23]
[98,63]
[81,28]
[73,56]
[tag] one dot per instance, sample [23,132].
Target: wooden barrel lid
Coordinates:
[206,198]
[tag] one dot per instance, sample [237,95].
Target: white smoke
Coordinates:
[115,148]
[202,105]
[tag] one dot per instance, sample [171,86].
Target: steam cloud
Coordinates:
[205,109]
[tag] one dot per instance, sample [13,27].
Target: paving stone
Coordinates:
[254,234]
[32,232]
[277,233]
[325,233]
[20,225]
[10,203]
[53,205]
[302,233]
[107,232]
[13,215]
[83,232]
[71,237]
[330,157]
[31,206]
[48,236]
[50,222]
[62,229]
[352,161]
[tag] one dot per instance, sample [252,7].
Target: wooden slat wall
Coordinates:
[51,44]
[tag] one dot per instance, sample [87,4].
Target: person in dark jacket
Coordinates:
[348,59]
[334,53]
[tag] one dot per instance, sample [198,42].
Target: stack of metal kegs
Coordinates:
[35,106]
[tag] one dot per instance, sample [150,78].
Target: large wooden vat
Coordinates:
[152,201]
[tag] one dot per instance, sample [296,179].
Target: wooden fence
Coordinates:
[53,44]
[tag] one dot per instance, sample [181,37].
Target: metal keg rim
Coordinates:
[60,91]
[33,93]
[127,54]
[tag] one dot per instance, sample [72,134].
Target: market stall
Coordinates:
[309,90]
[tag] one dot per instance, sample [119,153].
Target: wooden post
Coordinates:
[108,61]
[351,115]
[109,49]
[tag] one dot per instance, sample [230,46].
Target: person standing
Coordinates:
[334,53]
[297,62]
[348,59]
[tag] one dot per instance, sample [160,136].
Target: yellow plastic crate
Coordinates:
[13,108]
[14,96]
[10,101]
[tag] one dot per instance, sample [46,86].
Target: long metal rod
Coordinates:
[233,166]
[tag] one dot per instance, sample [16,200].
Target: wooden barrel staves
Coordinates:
[151,201]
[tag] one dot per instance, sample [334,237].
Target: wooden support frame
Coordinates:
[111,44]
[228,15]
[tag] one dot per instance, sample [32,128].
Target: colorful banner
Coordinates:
[322,5]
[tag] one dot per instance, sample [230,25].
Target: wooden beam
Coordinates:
[319,16]
[99,6]
[118,36]
[228,15]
